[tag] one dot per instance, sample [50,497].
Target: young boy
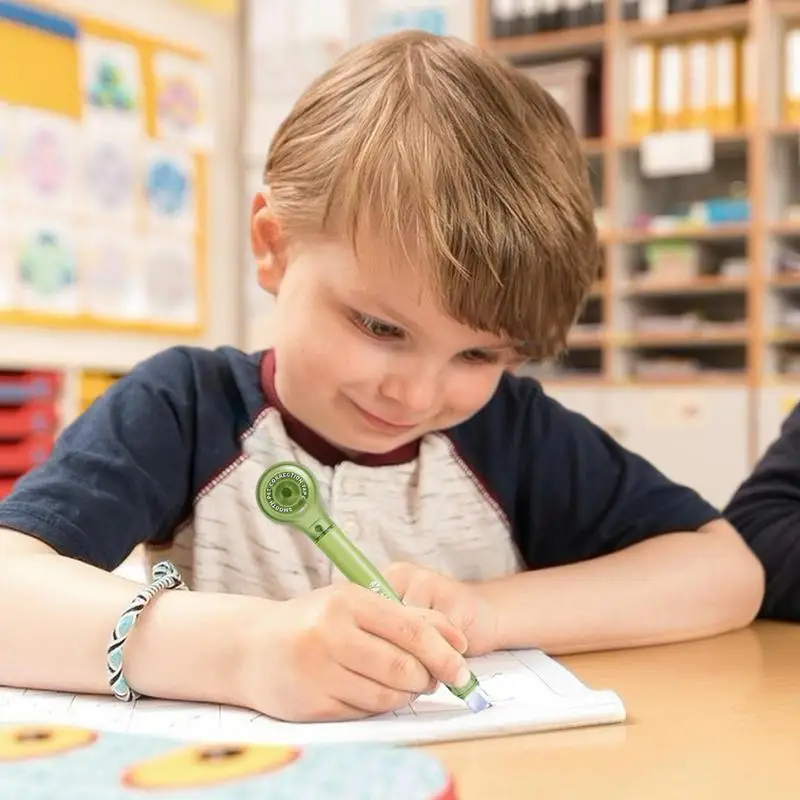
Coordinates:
[427,225]
[766,509]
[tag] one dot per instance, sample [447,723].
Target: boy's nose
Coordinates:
[417,394]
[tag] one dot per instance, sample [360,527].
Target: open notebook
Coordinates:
[529,691]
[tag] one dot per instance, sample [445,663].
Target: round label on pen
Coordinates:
[284,492]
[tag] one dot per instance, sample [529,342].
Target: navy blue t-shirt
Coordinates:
[765,509]
[171,454]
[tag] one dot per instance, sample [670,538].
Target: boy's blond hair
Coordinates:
[429,141]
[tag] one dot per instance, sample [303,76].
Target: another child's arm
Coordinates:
[766,510]
[622,556]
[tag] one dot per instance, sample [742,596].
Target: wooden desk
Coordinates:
[718,718]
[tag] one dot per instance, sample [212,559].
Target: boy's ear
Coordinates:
[268,244]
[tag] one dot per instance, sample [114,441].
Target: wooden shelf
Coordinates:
[690,24]
[688,233]
[785,379]
[705,285]
[784,130]
[786,336]
[789,227]
[595,147]
[558,381]
[598,289]
[731,379]
[741,366]
[585,341]
[786,9]
[785,281]
[735,136]
[557,42]
[698,338]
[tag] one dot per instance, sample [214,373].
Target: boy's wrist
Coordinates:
[499,595]
[191,646]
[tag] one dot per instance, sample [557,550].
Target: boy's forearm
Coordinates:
[57,614]
[674,587]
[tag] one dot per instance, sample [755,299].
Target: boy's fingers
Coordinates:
[332,710]
[452,633]
[418,595]
[400,575]
[420,633]
[370,696]
[379,660]
[455,637]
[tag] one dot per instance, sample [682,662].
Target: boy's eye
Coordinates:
[479,357]
[381,330]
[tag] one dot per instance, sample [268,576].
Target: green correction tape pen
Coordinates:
[287,494]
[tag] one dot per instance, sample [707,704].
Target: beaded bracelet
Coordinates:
[164,577]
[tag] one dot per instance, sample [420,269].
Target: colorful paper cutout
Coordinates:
[111,84]
[46,268]
[183,89]
[5,151]
[8,280]
[110,177]
[432,19]
[111,280]
[169,281]
[169,188]
[80,201]
[45,160]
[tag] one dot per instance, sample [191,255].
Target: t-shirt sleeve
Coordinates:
[765,510]
[120,474]
[584,495]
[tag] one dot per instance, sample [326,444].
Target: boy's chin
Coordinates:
[373,444]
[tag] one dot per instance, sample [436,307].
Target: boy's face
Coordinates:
[364,357]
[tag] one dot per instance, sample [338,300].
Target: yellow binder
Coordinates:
[671,98]
[791,91]
[726,99]
[642,90]
[697,84]
[749,79]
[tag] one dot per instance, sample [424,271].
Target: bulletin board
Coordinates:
[104,140]
[225,7]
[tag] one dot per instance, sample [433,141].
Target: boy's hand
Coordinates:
[460,602]
[343,652]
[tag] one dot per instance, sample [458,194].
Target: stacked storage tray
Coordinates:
[28,422]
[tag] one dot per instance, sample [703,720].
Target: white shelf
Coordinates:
[29,347]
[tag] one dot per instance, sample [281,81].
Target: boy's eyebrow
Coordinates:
[503,346]
[383,308]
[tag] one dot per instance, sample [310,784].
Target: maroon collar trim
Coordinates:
[315,445]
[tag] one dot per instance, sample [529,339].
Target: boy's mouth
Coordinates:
[383,424]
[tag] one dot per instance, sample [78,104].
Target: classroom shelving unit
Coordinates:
[688,349]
